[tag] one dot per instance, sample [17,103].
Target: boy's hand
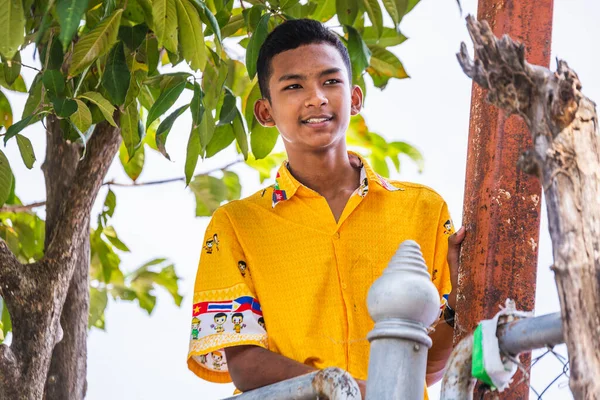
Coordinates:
[363,388]
[454,243]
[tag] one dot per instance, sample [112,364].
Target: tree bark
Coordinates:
[566,157]
[68,368]
[35,293]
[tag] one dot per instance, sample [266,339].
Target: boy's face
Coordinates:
[311,98]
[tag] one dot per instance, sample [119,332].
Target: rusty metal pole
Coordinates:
[501,208]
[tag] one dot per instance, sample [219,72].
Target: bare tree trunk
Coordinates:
[68,367]
[566,157]
[35,293]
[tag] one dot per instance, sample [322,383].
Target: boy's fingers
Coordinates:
[456,239]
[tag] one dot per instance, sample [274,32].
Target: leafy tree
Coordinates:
[101,93]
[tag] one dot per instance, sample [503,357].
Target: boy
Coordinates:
[312,244]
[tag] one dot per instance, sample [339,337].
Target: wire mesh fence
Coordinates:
[549,374]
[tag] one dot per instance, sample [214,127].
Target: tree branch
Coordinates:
[77,205]
[23,207]
[170,180]
[9,269]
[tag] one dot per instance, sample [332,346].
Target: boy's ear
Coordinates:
[357,100]
[262,112]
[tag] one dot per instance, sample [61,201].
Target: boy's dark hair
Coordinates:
[291,35]
[219,315]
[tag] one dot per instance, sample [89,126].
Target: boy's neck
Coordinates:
[330,173]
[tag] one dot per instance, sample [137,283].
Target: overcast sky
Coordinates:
[141,357]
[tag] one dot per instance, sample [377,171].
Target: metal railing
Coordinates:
[515,337]
[404,303]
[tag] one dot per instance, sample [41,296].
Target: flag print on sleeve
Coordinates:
[225,312]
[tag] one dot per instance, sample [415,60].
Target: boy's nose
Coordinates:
[316,99]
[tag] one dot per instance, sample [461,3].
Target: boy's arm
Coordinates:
[252,367]
[443,335]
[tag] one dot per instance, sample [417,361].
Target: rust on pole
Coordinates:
[501,208]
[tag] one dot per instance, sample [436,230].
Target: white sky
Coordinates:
[141,357]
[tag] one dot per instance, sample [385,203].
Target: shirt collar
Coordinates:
[286,185]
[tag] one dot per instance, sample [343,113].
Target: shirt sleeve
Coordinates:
[226,312]
[441,270]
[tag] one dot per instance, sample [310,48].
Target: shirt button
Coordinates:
[336,235]
[344,286]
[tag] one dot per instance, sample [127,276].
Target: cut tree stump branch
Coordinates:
[566,157]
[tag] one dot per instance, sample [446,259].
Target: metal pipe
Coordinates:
[458,383]
[331,383]
[531,333]
[403,302]
[502,203]
[515,337]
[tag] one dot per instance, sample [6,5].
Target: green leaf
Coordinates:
[222,138]
[213,80]
[133,166]
[256,41]
[6,115]
[206,130]
[209,19]
[325,10]
[98,302]
[54,82]
[192,153]
[129,129]
[397,148]
[146,6]
[262,140]
[389,37]
[390,6]
[6,178]
[104,105]
[165,127]
[69,16]
[150,46]
[116,76]
[252,16]
[95,43]
[64,107]
[26,150]
[167,98]
[402,7]
[133,36]
[240,134]
[191,36]
[384,66]
[229,109]
[82,118]
[359,53]
[35,96]
[379,165]
[12,27]
[12,68]
[5,319]
[164,13]
[135,84]
[210,192]
[134,13]
[55,57]
[233,26]
[413,3]
[266,165]
[347,10]
[17,86]
[197,105]
[110,203]
[232,183]
[374,12]
[20,125]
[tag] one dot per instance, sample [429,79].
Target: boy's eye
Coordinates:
[332,81]
[294,86]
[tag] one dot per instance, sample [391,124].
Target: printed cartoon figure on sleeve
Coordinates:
[226,311]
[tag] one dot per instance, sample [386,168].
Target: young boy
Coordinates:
[312,245]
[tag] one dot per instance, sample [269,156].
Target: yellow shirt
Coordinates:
[278,259]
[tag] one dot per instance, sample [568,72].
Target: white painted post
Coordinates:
[403,302]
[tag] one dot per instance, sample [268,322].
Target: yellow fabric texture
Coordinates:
[310,274]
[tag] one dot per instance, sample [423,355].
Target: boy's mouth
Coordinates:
[317,119]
